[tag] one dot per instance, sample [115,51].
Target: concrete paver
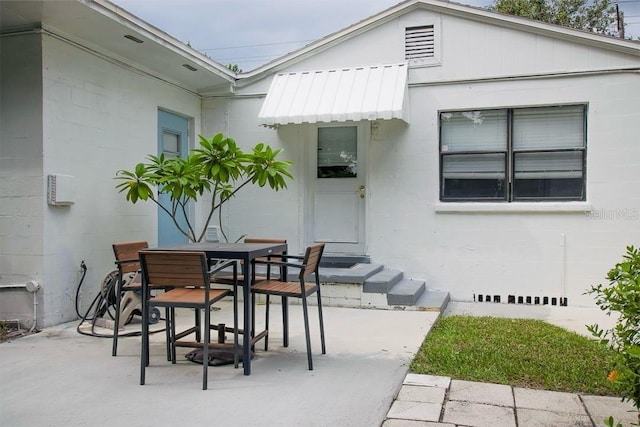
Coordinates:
[420,411]
[478,414]
[427,380]
[414,393]
[491,394]
[549,401]
[601,407]
[468,403]
[411,423]
[539,418]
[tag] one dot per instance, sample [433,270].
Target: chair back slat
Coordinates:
[126,255]
[312,259]
[175,269]
[265,240]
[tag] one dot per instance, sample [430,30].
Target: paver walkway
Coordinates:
[426,400]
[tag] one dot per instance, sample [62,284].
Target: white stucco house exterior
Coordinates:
[486,154]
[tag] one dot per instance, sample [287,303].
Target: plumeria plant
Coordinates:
[217,167]
[622,297]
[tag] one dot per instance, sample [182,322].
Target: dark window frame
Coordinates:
[510,153]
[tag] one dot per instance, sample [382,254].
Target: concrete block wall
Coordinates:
[80,115]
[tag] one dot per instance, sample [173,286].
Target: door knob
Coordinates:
[361,188]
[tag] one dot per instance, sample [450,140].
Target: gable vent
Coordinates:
[419,42]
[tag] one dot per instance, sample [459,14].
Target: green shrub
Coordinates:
[622,296]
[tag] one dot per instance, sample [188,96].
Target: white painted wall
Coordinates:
[98,118]
[95,118]
[506,252]
[21,190]
[553,251]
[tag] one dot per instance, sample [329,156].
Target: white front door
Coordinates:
[336,201]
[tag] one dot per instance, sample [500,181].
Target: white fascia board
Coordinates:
[160,37]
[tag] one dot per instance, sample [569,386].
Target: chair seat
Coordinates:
[189,296]
[285,289]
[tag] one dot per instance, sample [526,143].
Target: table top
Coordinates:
[228,250]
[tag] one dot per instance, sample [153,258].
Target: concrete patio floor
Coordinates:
[61,378]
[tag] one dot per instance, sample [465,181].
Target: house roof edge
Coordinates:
[447,7]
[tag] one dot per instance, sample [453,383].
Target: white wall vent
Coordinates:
[60,190]
[419,42]
[212,234]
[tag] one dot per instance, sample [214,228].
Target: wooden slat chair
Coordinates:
[297,289]
[129,282]
[129,286]
[226,278]
[189,277]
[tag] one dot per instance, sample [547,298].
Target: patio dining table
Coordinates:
[247,253]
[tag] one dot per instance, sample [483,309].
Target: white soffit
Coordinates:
[339,95]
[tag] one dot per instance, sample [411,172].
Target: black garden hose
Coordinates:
[100,305]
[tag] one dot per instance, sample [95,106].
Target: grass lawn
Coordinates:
[519,352]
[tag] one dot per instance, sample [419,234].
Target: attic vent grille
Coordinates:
[419,42]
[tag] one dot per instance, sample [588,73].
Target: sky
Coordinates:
[250,33]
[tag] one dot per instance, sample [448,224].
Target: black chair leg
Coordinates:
[252,332]
[167,332]
[197,319]
[144,355]
[173,335]
[236,347]
[116,327]
[324,350]
[305,311]
[205,347]
[285,321]
[266,322]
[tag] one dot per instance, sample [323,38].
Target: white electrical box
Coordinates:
[60,190]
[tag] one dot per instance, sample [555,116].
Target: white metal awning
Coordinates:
[339,95]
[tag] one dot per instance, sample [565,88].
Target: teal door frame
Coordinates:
[173,140]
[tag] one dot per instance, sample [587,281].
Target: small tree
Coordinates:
[588,15]
[218,167]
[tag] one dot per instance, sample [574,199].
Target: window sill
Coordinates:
[515,207]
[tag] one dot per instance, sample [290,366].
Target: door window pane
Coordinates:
[170,144]
[338,152]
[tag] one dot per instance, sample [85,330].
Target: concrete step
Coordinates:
[382,281]
[433,300]
[357,273]
[406,292]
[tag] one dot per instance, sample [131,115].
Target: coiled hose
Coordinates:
[103,303]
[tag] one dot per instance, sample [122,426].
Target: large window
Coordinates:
[524,154]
